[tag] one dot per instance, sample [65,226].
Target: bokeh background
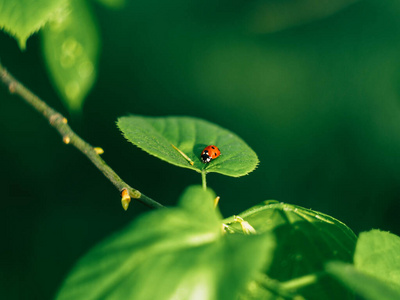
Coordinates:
[312,86]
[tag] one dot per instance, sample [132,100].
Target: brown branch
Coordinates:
[57,121]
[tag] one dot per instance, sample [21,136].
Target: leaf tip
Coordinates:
[22,43]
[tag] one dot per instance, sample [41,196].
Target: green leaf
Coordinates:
[177,253]
[369,287]
[71,50]
[306,240]
[378,255]
[21,18]
[375,274]
[191,136]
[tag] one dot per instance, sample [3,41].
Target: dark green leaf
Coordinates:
[191,136]
[71,50]
[21,18]
[177,253]
[306,240]
[369,287]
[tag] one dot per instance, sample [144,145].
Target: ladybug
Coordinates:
[209,153]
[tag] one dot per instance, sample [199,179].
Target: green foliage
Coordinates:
[378,254]
[21,18]
[71,50]
[306,240]
[269,84]
[177,253]
[184,253]
[70,41]
[367,286]
[191,136]
[375,274]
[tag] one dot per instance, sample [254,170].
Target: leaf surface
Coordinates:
[177,253]
[369,287]
[190,135]
[21,18]
[306,240]
[378,254]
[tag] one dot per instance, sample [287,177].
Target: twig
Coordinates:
[57,121]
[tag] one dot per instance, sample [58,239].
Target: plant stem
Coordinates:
[203,179]
[57,121]
[275,287]
[288,289]
[300,282]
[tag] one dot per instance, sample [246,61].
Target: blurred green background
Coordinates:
[312,86]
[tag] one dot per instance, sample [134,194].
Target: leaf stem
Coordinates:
[274,286]
[203,179]
[59,122]
[301,282]
[288,289]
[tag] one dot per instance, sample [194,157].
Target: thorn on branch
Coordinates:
[66,139]
[98,150]
[125,198]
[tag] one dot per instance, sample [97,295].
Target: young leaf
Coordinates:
[190,135]
[71,50]
[177,253]
[306,240]
[21,18]
[369,287]
[378,254]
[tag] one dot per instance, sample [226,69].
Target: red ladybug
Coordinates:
[209,153]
